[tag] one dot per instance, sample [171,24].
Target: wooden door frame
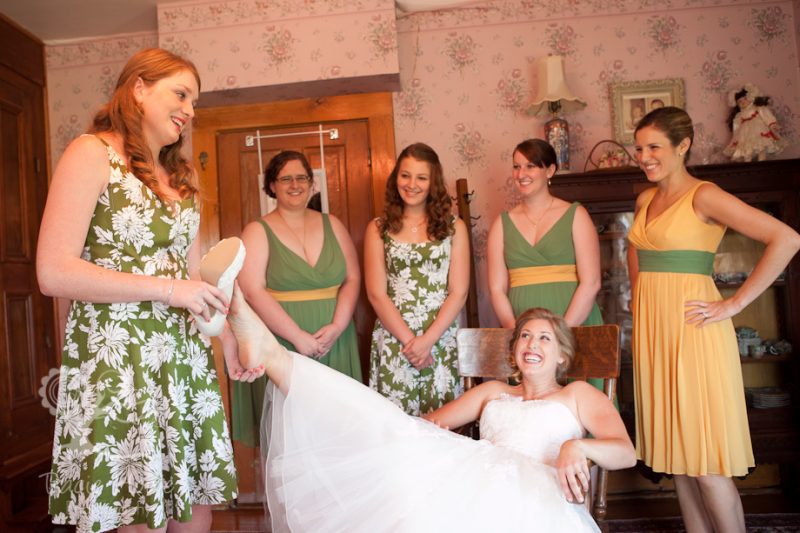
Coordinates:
[375,108]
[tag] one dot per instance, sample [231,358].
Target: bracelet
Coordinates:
[169,292]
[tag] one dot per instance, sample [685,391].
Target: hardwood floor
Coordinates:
[247,518]
[250,518]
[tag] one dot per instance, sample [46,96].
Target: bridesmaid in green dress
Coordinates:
[301,276]
[416,260]
[544,252]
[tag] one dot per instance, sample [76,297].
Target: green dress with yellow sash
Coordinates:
[544,275]
[308,295]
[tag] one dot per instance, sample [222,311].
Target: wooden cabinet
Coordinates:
[773,186]
[27,347]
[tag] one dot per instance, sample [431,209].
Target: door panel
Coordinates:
[26,317]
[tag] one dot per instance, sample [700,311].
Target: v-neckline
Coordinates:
[546,233]
[298,256]
[648,223]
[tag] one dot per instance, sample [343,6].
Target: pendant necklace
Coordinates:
[296,236]
[415,227]
[535,223]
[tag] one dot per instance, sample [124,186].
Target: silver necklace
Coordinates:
[415,227]
[535,223]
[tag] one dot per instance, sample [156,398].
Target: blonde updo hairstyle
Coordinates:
[564,338]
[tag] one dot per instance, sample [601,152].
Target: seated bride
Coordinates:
[343,458]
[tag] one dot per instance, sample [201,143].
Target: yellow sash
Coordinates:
[518,277]
[326,293]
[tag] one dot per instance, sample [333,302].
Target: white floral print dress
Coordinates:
[417,284]
[140,433]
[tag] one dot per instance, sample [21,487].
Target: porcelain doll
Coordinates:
[755,129]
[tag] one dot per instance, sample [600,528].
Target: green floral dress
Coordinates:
[417,284]
[140,433]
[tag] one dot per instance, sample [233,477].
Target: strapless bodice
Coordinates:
[536,428]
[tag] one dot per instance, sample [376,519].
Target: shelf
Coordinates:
[776,283]
[612,235]
[766,359]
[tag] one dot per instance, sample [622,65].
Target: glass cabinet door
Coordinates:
[614,298]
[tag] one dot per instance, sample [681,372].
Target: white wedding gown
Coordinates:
[344,459]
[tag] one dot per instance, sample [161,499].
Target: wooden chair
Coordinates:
[482,353]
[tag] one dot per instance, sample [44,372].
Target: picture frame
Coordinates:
[631,100]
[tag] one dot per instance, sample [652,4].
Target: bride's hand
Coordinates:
[430,418]
[573,471]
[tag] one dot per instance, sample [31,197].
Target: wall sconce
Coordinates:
[552,97]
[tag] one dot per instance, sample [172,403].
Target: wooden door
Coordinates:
[347,165]
[357,165]
[27,347]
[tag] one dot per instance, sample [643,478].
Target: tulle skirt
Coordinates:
[344,459]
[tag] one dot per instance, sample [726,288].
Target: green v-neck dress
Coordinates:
[286,272]
[140,433]
[554,248]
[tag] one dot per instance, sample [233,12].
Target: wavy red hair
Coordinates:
[123,115]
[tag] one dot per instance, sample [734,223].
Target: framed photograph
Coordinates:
[631,100]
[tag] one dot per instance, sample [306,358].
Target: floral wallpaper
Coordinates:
[80,78]
[251,43]
[468,75]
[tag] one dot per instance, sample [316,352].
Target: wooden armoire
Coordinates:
[27,345]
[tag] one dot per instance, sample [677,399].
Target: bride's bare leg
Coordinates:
[257,345]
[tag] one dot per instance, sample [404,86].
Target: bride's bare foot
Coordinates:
[258,347]
[230,350]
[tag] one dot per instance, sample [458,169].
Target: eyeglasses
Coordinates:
[302,179]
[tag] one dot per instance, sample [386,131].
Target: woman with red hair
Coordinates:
[140,435]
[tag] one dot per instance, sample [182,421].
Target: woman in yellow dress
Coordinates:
[691,419]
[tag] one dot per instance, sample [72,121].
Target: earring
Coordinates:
[549,181]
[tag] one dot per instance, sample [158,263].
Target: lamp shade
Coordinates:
[553,87]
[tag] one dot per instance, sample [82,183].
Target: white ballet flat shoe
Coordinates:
[219,267]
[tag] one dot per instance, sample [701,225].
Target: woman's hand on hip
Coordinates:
[700,313]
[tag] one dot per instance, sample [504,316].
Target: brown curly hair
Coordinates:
[437,204]
[563,333]
[123,115]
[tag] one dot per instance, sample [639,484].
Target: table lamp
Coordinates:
[554,96]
